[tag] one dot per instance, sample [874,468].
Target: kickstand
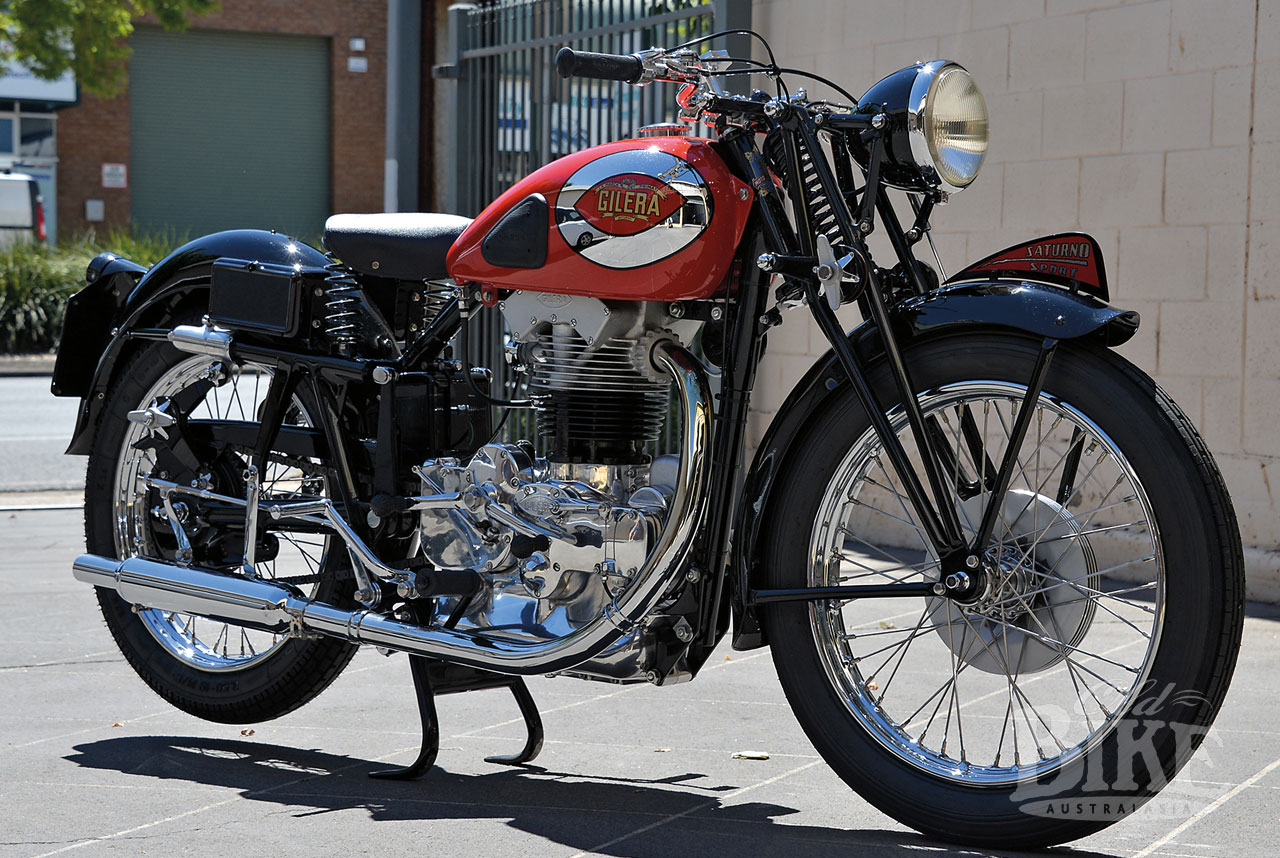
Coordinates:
[421,669]
[432,677]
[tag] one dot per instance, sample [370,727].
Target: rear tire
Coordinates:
[828,655]
[228,674]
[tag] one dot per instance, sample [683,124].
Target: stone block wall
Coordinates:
[1155,126]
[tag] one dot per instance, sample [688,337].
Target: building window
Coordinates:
[36,137]
[6,135]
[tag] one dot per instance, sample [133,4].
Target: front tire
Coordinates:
[1083,678]
[213,670]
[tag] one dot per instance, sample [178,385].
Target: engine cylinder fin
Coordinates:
[594,404]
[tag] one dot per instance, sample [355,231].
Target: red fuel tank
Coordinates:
[655,219]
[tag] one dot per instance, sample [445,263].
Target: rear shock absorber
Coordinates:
[340,294]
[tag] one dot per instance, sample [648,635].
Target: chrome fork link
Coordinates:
[252,489]
[340,292]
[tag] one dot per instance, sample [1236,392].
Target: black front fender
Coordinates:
[962,310]
[116,301]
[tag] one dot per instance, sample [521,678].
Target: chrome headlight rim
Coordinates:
[918,102]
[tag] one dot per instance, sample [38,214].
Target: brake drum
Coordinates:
[1037,605]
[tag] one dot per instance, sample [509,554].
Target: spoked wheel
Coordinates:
[1108,605]
[216,670]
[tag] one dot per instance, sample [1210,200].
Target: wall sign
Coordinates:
[19,83]
[115,175]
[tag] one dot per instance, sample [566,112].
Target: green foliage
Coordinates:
[36,281]
[144,248]
[88,37]
[34,287]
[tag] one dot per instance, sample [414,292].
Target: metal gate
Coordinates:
[511,112]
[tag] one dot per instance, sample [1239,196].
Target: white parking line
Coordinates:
[1214,805]
[81,732]
[142,827]
[194,811]
[414,748]
[706,804]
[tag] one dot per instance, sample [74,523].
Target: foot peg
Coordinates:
[432,677]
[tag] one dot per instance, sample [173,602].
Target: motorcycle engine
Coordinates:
[558,538]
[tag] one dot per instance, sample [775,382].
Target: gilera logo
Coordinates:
[628,204]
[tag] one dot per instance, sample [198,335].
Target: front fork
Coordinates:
[962,571]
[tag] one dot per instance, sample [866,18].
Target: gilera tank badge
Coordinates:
[633,208]
[628,204]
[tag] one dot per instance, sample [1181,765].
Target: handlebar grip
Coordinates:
[624,67]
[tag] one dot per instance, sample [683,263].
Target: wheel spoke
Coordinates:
[209,644]
[1030,633]
[902,502]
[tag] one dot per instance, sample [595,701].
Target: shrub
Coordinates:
[36,281]
[34,286]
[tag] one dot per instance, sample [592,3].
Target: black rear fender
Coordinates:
[119,299]
[966,309]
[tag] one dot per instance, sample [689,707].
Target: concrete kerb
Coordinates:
[26,365]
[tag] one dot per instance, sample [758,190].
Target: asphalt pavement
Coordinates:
[93,763]
[35,428]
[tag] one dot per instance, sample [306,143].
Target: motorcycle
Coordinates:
[998,568]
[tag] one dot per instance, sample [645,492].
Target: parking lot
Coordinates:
[95,764]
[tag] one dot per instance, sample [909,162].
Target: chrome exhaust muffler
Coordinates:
[261,604]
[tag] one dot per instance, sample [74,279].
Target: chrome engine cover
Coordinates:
[556,544]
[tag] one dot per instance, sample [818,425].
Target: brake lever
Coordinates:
[680,66]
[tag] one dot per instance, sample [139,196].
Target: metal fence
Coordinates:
[511,113]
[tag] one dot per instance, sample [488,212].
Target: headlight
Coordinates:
[937,126]
[950,120]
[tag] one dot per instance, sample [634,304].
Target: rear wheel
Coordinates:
[215,670]
[1084,674]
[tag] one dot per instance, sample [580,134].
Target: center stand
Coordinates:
[432,677]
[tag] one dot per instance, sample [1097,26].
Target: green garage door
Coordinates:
[229,130]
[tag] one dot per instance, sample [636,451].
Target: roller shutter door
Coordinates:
[229,130]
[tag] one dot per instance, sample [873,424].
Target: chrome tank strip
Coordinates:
[261,604]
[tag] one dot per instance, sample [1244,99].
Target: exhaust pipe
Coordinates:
[261,604]
[245,601]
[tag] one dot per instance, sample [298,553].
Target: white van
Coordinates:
[21,210]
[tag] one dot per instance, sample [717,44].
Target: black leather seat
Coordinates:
[401,246]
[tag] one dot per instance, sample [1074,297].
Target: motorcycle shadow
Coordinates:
[622,817]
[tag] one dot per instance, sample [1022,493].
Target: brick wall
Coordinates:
[96,131]
[1155,126]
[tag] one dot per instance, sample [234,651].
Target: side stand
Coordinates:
[432,677]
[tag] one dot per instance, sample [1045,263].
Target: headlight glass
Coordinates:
[955,126]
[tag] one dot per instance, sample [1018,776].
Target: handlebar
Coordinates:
[684,66]
[627,68]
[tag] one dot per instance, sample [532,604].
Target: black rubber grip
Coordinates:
[624,67]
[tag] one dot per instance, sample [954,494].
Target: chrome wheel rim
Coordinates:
[238,393]
[938,684]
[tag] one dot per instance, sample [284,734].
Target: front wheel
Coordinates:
[1087,669]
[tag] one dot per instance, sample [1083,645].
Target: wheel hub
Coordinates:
[1008,577]
[1033,607]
